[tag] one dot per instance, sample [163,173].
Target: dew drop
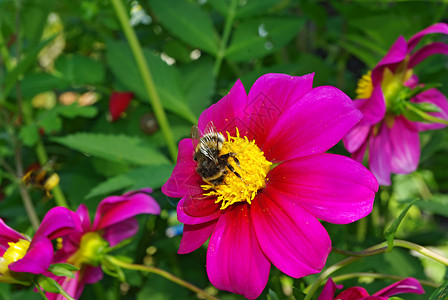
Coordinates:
[262,31]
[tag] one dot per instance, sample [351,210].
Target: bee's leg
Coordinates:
[233,170]
[232,155]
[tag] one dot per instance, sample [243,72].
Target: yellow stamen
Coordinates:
[253,170]
[15,252]
[365,86]
[91,250]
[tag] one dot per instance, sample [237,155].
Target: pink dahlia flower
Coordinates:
[114,222]
[274,140]
[407,285]
[392,106]
[21,256]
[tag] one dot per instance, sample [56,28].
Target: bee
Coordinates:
[41,177]
[212,166]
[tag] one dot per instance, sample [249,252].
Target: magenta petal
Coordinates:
[115,209]
[380,151]
[328,290]
[314,124]
[407,285]
[83,214]
[184,180]
[120,231]
[437,98]
[235,262]
[37,259]
[290,237]
[356,137]
[228,112]
[92,274]
[373,108]
[269,97]
[7,234]
[396,54]
[331,187]
[428,50]
[405,144]
[436,28]
[57,222]
[195,235]
[196,211]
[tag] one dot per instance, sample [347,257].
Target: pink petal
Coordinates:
[329,290]
[57,222]
[184,180]
[235,262]
[228,112]
[37,259]
[428,50]
[83,214]
[356,137]
[120,231]
[380,151]
[195,235]
[359,154]
[436,28]
[331,187]
[290,237]
[373,108]
[269,97]
[397,53]
[92,274]
[407,285]
[196,211]
[115,209]
[314,124]
[355,293]
[7,235]
[405,143]
[437,98]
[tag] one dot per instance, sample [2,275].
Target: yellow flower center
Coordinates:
[252,168]
[15,252]
[365,86]
[91,250]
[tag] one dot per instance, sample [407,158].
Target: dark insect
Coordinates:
[41,177]
[207,147]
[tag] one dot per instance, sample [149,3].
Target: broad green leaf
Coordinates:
[254,7]
[153,177]
[80,70]
[256,38]
[118,148]
[363,54]
[50,121]
[198,85]
[74,110]
[272,295]
[48,284]
[35,83]
[188,22]
[123,65]
[441,293]
[29,134]
[63,269]
[438,205]
[392,229]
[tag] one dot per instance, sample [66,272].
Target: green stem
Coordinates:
[380,276]
[225,38]
[425,115]
[162,273]
[377,249]
[147,77]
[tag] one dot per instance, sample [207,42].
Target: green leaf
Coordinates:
[48,284]
[426,106]
[29,134]
[413,116]
[123,65]
[50,121]
[63,269]
[272,295]
[187,21]
[119,148]
[256,38]
[392,229]
[80,70]
[441,293]
[250,8]
[74,110]
[35,83]
[438,205]
[153,177]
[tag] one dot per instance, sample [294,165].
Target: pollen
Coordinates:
[365,86]
[252,168]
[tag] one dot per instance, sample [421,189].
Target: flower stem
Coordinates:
[225,38]
[377,249]
[147,77]
[383,276]
[162,273]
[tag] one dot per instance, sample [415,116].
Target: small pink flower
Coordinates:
[268,213]
[387,129]
[407,285]
[114,222]
[21,255]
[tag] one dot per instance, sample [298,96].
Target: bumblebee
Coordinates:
[212,166]
[41,177]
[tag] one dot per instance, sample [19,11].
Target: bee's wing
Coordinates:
[210,129]
[195,136]
[210,142]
